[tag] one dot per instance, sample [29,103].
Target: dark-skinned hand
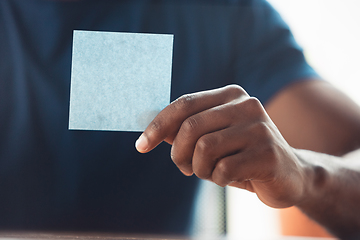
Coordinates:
[225,136]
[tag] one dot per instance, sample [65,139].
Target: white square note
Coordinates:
[119,81]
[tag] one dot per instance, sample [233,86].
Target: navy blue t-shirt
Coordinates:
[55,179]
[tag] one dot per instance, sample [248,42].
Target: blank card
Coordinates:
[119,81]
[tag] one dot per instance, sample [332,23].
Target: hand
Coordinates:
[225,136]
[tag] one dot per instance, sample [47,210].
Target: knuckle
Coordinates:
[156,125]
[184,102]
[206,145]
[190,124]
[222,174]
[235,91]
[224,170]
[253,101]
[206,154]
[254,105]
[179,161]
[202,173]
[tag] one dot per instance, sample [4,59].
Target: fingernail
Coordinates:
[186,173]
[141,144]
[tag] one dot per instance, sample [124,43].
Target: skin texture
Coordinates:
[227,137]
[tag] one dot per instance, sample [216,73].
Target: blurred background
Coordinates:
[329,32]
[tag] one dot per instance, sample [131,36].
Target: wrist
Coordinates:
[315,177]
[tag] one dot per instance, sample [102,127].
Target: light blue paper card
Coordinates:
[119,81]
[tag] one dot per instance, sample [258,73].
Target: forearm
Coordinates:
[314,115]
[332,195]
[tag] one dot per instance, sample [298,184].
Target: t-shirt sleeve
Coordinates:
[270,58]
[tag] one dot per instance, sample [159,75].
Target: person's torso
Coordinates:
[53,178]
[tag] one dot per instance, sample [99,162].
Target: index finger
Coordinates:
[167,123]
